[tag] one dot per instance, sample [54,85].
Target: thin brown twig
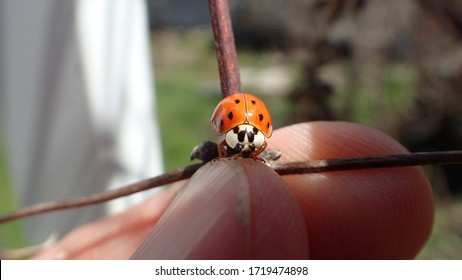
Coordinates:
[166,178]
[224,45]
[288,168]
[386,161]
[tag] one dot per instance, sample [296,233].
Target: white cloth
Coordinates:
[77,104]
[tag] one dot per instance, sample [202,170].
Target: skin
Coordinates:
[241,209]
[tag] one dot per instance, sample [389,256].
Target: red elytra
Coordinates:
[238,109]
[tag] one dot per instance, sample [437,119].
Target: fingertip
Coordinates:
[231,209]
[325,140]
[279,230]
[361,214]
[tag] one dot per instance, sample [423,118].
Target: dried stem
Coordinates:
[399,160]
[224,45]
[166,178]
[314,166]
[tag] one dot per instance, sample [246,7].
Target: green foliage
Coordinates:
[11,234]
[446,239]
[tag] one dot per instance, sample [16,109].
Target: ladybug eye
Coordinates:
[250,136]
[241,135]
[260,117]
[230,115]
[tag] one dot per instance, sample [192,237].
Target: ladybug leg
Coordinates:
[221,149]
[255,153]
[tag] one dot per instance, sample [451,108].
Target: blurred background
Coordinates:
[394,65]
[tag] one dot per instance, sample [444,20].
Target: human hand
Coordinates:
[241,209]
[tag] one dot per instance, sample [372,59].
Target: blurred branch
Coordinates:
[225,47]
[290,168]
[446,11]
[332,11]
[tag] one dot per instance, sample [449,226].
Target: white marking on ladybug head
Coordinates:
[244,138]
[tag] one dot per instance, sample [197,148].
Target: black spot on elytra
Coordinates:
[221,122]
[230,115]
[260,117]
[268,125]
[237,101]
[253,102]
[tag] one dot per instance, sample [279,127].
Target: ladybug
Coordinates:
[245,121]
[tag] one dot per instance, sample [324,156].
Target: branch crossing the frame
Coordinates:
[289,168]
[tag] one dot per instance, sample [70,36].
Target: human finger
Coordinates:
[230,209]
[383,213]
